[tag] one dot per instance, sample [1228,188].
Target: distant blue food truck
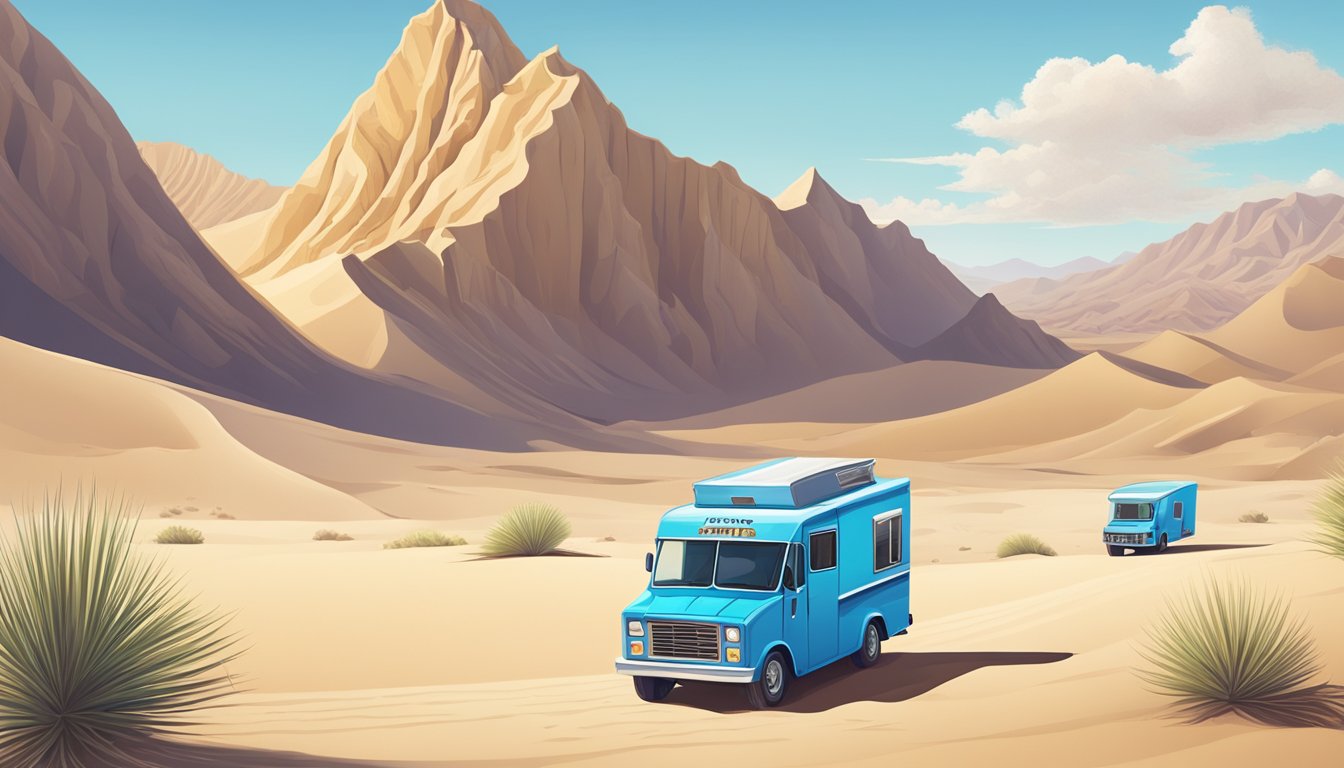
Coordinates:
[1149,516]
[775,571]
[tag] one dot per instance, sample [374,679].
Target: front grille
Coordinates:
[1125,538]
[683,640]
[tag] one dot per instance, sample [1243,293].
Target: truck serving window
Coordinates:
[685,564]
[1125,511]
[887,540]
[822,546]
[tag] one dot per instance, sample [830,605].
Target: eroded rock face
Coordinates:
[493,204]
[97,262]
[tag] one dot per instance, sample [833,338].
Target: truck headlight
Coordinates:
[732,634]
[634,628]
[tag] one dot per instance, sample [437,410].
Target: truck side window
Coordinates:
[1180,508]
[887,543]
[823,550]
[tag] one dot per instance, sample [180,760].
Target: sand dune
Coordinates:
[71,422]
[1296,326]
[1200,359]
[899,392]
[206,192]
[1085,395]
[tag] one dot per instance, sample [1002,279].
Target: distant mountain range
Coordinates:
[1195,281]
[985,279]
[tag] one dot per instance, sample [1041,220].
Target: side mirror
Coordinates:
[648,562]
[788,578]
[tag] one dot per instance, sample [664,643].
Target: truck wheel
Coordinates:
[1114,551]
[871,649]
[653,688]
[1162,544]
[769,690]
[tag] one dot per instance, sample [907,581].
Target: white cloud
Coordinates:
[1112,141]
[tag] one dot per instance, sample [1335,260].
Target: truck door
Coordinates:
[796,589]
[822,595]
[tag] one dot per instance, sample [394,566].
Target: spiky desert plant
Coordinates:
[98,646]
[1230,646]
[1024,544]
[425,539]
[528,529]
[1329,510]
[326,534]
[179,534]
[1254,517]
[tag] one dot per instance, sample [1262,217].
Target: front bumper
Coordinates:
[705,672]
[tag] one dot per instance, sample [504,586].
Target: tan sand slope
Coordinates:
[674,288]
[206,192]
[1200,359]
[1195,281]
[72,422]
[1296,326]
[1083,396]
[900,392]
[1007,660]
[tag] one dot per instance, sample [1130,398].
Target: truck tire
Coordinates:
[1114,550]
[1162,544]
[769,690]
[871,650]
[653,688]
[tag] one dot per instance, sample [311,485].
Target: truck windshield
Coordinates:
[727,564]
[1133,511]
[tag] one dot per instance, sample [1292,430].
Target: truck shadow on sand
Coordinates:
[1176,549]
[896,677]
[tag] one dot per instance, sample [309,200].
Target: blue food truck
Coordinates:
[1146,517]
[775,571]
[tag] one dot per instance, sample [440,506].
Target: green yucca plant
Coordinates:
[425,539]
[528,529]
[1234,647]
[98,647]
[1024,544]
[179,534]
[1329,534]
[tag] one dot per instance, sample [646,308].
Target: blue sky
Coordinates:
[770,87]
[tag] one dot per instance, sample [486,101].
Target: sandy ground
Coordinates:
[437,657]
[356,655]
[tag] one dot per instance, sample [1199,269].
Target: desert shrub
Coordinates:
[223,516]
[425,539]
[1329,510]
[179,534]
[528,529]
[1024,544]
[98,647]
[1233,647]
[1254,517]
[963,549]
[326,534]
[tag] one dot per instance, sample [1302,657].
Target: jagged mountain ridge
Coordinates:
[97,262]
[484,202]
